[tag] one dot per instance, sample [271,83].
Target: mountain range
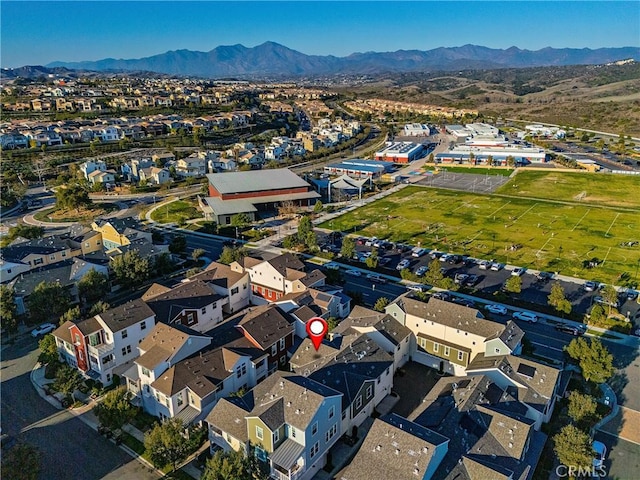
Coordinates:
[273,59]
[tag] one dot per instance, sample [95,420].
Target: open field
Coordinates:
[474,170]
[176,212]
[538,234]
[80,215]
[601,189]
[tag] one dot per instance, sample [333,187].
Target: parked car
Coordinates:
[420,271]
[442,296]
[460,278]
[632,294]
[434,254]
[497,266]
[518,271]
[361,241]
[484,265]
[602,301]
[525,317]
[418,287]
[497,309]
[464,302]
[374,277]
[570,329]
[453,259]
[445,257]
[600,453]
[418,252]
[403,264]
[544,276]
[354,273]
[472,280]
[589,286]
[332,266]
[43,329]
[383,261]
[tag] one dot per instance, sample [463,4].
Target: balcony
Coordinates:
[101,350]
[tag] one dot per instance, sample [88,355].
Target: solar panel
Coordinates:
[526,370]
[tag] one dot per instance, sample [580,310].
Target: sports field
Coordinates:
[536,233]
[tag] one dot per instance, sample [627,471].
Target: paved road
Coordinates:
[69,448]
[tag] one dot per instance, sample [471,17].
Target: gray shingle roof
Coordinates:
[126,315]
[361,317]
[185,296]
[267,324]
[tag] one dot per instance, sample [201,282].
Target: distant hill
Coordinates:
[271,59]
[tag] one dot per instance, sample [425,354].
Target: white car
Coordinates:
[354,273]
[484,265]
[43,329]
[418,288]
[600,453]
[331,266]
[525,316]
[445,257]
[403,264]
[374,277]
[517,272]
[496,266]
[602,301]
[497,309]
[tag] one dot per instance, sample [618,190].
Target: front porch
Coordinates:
[287,462]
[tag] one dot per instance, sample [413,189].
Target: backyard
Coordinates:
[582,240]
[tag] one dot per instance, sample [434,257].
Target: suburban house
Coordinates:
[251,192]
[271,330]
[231,284]
[271,279]
[534,384]
[191,166]
[155,175]
[67,274]
[354,365]
[291,422]
[99,345]
[98,177]
[118,232]
[396,448]
[10,270]
[490,437]
[324,301]
[40,252]
[450,336]
[165,346]
[192,304]
[91,166]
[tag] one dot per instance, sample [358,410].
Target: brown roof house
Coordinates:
[231,284]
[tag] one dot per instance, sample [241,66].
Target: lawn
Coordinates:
[538,234]
[80,215]
[176,212]
[505,172]
[612,190]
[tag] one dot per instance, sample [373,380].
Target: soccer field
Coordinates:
[539,234]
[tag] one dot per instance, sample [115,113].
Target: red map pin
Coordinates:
[316,329]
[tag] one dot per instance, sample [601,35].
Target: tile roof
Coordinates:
[126,315]
[394,448]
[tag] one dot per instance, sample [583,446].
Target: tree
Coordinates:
[380,304]
[48,299]
[67,380]
[130,269]
[317,208]
[166,445]
[163,264]
[231,254]
[93,286]
[234,466]
[178,244]
[581,406]
[597,315]
[22,462]
[558,300]
[99,307]
[72,197]
[311,242]
[8,308]
[610,296]
[372,260]
[348,248]
[240,220]
[594,359]
[71,315]
[304,228]
[48,349]
[29,232]
[332,323]
[511,161]
[572,446]
[434,275]
[115,409]
[513,284]
[197,253]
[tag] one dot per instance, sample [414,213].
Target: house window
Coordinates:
[126,350]
[52,257]
[314,450]
[276,436]
[358,403]
[179,399]
[369,391]
[314,428]
[234,290]
[143,325]
[259,433]
[281,344]
[497,350]
[331,433]
[124,334]
[274,349]
[204,310]
[460,355]
[292,432]
[436,347]
[63,254]
[145,372]
[107,337]
[38,261]
[332,412]
[446,351]
[108,377]
[190,320]
[241,370]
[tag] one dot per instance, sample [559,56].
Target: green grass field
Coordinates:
[176,212]
[538,234]
[505,172]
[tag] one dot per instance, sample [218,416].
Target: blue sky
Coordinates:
[36,33]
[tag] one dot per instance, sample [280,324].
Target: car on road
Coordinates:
[602,301]
[43,329]
[518,271]
[576,331]
[354,273]
[497,266]
[374,277]
[497,309]
[600,453]
[420,271]
[525,317]
[589,286]
[464,302]
[418,288]
[403,264]
[332,266]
